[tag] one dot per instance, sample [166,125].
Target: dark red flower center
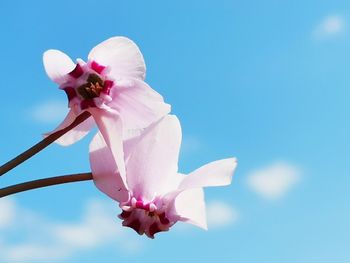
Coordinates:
[92,88]
[145,218]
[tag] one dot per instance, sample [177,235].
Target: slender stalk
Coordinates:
[42,144]
[13,189]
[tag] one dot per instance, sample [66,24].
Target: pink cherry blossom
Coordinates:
[155,195]
[110,85]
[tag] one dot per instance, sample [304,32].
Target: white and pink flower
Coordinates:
[154,195]
[110,85]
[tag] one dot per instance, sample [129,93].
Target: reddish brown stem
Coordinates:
[13,189]
[42,144]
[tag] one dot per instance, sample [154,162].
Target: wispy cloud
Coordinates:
[190,144]
[50,112]
[330,26]
[45,239]
[7,212]
[220,214]
[41,238]
[274,181]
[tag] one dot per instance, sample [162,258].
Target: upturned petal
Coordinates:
[105,172]
[110,126]
[190,207]
[57,65]
[122,56]
[153,162]
[217,173]
[139,105]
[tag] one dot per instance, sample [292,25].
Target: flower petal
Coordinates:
[110,126]
[129,146]
[57,65]
[104,170]
[190,206]
[138,104]
[122,56]
[75,134]
[153,162]
[216,173]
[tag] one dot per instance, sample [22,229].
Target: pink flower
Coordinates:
[154,196]
[110,86]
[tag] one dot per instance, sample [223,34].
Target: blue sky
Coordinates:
[265,81]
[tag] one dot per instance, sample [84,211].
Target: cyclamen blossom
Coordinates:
[110,86]
[154,195]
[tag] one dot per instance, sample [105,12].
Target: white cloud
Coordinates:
[40,238]
[7,212]
[190,144]
[50,112]
[220,214]
[274,181]
[98,225]
[330,26]
[43,239]
[28,252]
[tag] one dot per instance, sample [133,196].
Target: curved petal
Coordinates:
[75,134]
[57,65]
[153,161]
[104,170]
[122,56]
[216,173]
[190,207]
[138,104]
[129,146]
[110,126]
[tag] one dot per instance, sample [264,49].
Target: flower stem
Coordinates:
[42,144]
[13,189]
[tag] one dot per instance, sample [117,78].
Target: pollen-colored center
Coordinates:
[92,88]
